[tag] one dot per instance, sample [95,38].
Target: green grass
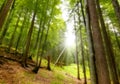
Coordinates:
[72,69]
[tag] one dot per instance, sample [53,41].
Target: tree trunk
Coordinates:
[4,12]
[38,34]
[108,44]
[83,57]
[93,73]
[100,58]
[25,56]
[116,7]
[6,27]
[48,64]
[13,35]
[21,31]
[77,59]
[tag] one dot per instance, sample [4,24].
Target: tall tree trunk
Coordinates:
[93,73]
[100,58]
[13,35]
[21,31]
[83,57]
[38,34]
[76,55]
[116,7]
[6,27]
[25,56]
[109,50]
[4,12]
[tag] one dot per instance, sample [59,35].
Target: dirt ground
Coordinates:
[11,72]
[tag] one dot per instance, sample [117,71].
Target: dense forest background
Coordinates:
[63,32]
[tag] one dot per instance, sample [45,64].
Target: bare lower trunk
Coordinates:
[100,58]
[48,64]
[108,45]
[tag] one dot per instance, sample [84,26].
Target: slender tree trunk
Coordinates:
[83,57]
[116,7]
[4,12]
[77,59]
[108,44]
[92,65]
[6,27]
[76,55]
[21,31]
[48,64]
[38,34]
[45,40]
[13,35]
[25,56]
[100,58]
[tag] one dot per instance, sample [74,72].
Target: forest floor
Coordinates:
[11,72]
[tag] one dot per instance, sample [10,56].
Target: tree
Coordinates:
[100,59]
[76,55]
[4,12]
[13,35]
[25,56]
[108,45]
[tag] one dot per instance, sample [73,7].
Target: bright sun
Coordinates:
[69,39]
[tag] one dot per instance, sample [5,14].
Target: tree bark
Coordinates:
[25,56]
[6,27]
[13,35]
[92,66]
[83,57]
[4,12]
[21,31]
[48,64]
[76,55]
[108,45]
[100,59]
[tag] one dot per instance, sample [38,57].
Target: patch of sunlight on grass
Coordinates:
[72,69]
[59,77]
[56,82]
